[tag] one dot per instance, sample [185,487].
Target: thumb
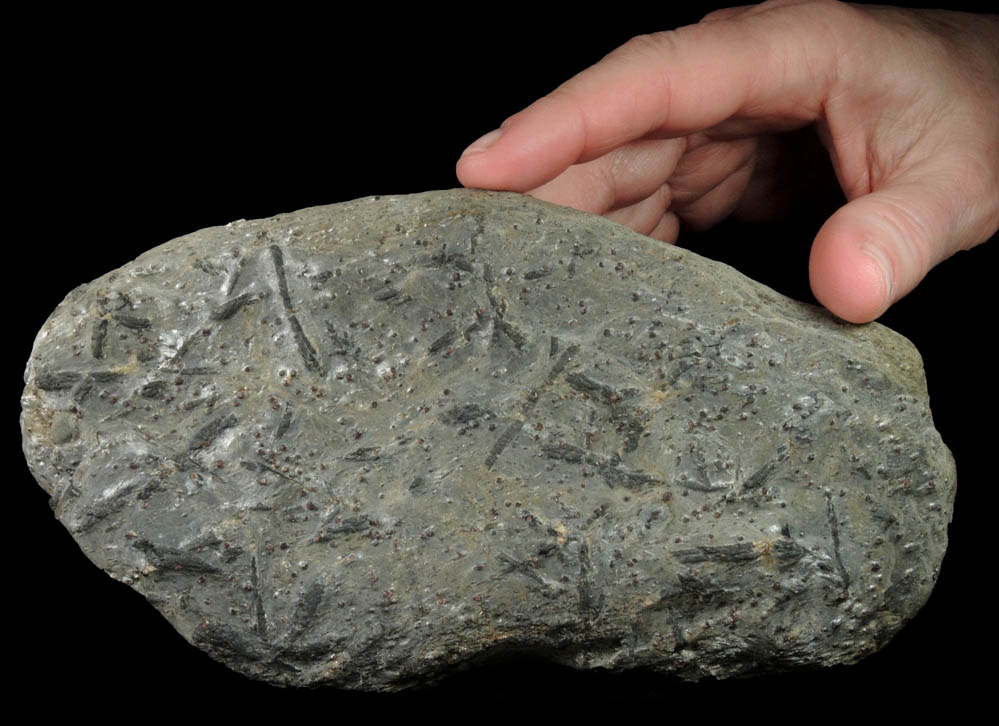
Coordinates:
[878,247]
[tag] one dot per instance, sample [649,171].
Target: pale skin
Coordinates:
[679,127]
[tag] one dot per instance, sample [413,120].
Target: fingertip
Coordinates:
[667,230]
[850,276]
[483,143]
[475,167]
[530,148]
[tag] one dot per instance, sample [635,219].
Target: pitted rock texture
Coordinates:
[369,443]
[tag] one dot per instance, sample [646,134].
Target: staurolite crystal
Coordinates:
[368,443]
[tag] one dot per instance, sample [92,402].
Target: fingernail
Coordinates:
[884,264]
[483,144]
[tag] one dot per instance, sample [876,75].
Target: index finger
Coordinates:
[770,67]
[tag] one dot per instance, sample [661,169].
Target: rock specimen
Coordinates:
[368,443]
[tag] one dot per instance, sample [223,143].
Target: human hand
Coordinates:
[668,128]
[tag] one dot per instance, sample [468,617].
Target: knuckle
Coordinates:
[722,14]
[649,45]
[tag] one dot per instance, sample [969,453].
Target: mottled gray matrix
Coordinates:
[370,443]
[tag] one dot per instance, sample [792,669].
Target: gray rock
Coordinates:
[370,443]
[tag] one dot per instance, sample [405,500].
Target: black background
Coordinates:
[137,130]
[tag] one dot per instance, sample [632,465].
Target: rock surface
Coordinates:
[369,443]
